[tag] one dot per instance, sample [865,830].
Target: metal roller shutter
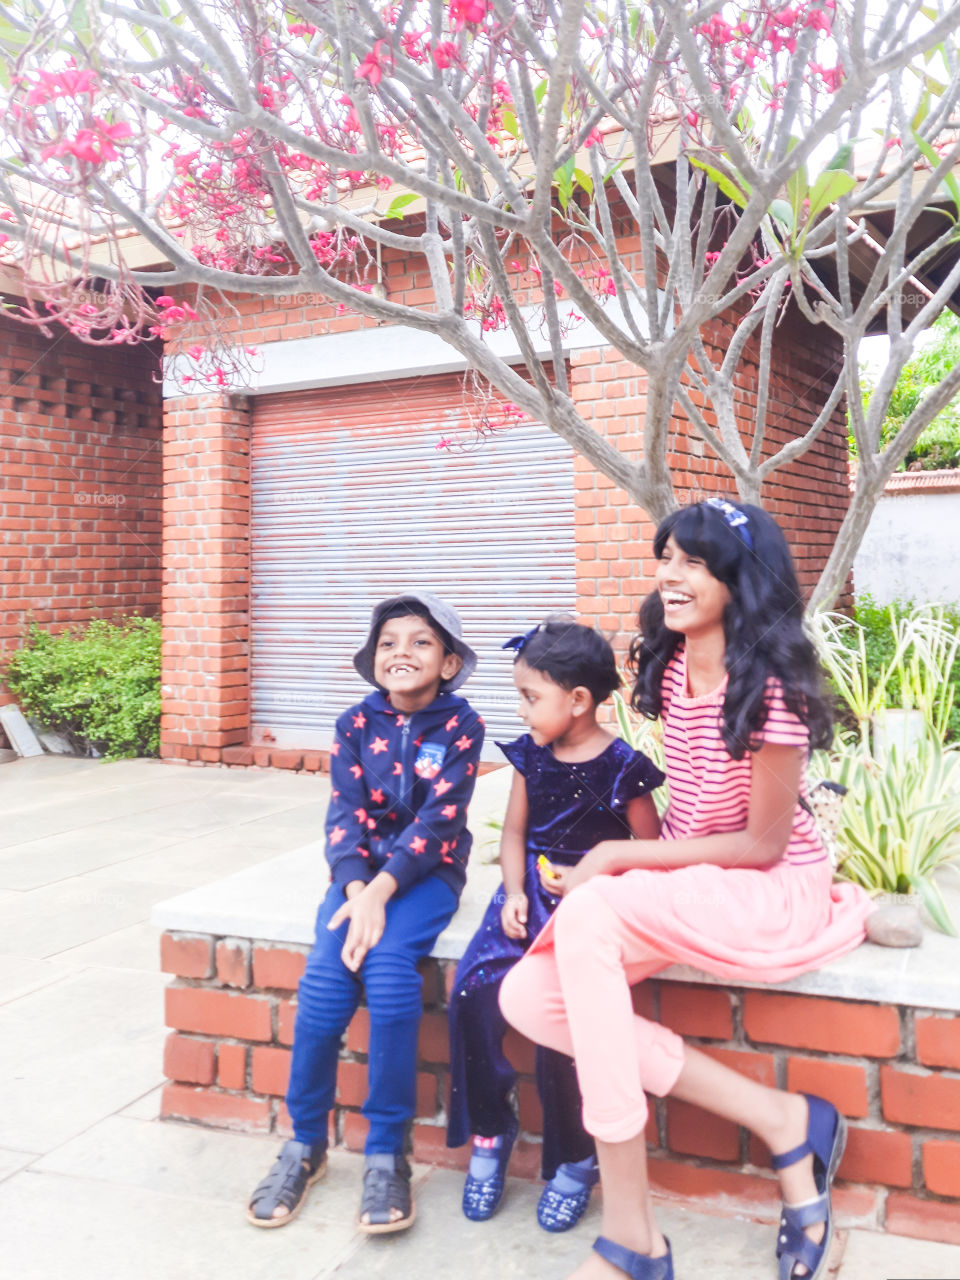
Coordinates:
[352,502]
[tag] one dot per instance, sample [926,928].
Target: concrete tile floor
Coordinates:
[94,1187]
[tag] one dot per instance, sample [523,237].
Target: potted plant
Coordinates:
[900,820]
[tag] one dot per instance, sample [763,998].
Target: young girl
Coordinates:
[738,885]
[574,785]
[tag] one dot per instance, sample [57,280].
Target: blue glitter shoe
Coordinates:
[560,1210]
[481,1196]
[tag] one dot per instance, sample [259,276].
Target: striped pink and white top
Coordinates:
[709,790]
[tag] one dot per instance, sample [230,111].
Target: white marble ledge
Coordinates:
[276,901]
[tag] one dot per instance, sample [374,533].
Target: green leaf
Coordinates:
[842,158]
[949,180]
[509,121]
[584,181]
[739,194]
[935,905]
[922,111]
[398,205]
[828,189]
[539,92]
[781,210]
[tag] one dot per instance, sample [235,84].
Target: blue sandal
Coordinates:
[826,1139]
[638,1266]
[481,1196]
[561,1210]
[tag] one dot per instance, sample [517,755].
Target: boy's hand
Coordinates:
[513,915]
[367,915]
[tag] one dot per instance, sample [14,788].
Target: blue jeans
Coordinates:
[327,999]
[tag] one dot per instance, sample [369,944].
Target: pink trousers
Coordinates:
[571,992]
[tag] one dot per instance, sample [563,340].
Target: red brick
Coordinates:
[355,1127]
[283,1125]
[427,1090]
[449,969]
[531,1112]
[941,1167]
[758,1066]
[874,1155]
[313,761]
[694,1132]
[922,1219]
[351,1084]
[231,1065]
[188,1060]
[233,962]
[238,755]
[430,1147]
[188,956]
[644,1000]
[286,759]
[521,1052]
[835,1026]
[842,1083]
[433,986]
[218,1013]
[724,1189]
[278,967]
[938,1042]
[434,1043]
[358,1032]
[286,1021]
[921,1098]
[220,1110]
[270,1070]
[696,1011]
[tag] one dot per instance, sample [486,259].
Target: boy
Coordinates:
[403,765]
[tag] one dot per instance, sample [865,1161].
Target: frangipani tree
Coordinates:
[810,149]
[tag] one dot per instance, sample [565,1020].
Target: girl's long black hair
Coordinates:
[763,625]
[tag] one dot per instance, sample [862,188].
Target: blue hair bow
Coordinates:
[735,518]
[520,642]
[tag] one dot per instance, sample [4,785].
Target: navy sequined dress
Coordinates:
[572,806]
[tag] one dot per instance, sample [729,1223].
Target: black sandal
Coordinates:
[383,1190]
[297,1167]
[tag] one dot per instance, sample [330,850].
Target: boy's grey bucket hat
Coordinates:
[443,614]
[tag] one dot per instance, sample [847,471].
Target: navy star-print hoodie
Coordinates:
[401,786]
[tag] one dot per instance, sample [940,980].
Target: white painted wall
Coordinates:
[912,550]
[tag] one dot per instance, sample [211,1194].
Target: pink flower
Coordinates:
[466,13]
[785,18]
[62,84]
[832,77]
[445,443]
[445,54]
[195,352]
[692,119]
[710,257]
[593,138]
[372,67]
[716,31]
[817,19]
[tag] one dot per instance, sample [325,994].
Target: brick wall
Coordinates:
[206,576]
[79,481]
[894,1072]
[613,536]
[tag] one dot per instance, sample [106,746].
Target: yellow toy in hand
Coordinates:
[546,866]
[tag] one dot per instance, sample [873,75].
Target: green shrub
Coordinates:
[880,644]
[98,685]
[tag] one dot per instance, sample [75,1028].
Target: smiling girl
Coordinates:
[738,884]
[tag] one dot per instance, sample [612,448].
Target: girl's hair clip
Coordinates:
[519,643]
[735,518]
